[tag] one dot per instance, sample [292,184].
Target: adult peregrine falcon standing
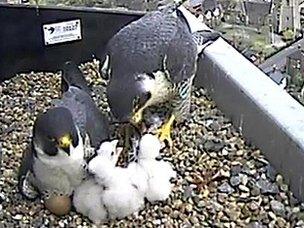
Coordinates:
[151,61]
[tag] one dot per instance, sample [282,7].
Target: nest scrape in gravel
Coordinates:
[221,181]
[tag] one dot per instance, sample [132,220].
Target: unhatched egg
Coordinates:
[58,205]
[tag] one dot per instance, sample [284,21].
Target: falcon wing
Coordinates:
[86,115]
[142,45]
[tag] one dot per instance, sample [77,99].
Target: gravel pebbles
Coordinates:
[221,181]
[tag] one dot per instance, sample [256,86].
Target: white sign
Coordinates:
[62,32]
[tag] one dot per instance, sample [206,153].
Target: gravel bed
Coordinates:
[222,181]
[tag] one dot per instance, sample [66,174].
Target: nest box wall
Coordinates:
[22,44]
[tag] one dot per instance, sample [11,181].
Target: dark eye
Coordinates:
[112,153]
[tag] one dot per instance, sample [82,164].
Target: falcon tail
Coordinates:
[72,76]
[204,38]
[25,175]
[201,34]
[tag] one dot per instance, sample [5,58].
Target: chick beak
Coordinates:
[158,158]
[65,142]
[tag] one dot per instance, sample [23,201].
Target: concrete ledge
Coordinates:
[264,113]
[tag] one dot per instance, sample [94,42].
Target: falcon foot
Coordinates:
[164,133]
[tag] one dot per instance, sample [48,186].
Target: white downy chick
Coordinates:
[159,172]
[87,200]
[138,177]
[87,197]
[120,197]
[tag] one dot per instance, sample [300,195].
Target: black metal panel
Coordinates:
[22,46]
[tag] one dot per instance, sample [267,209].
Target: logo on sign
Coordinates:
[51,30]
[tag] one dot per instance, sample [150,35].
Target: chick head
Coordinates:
[107,157]
[110,150]
[149,147]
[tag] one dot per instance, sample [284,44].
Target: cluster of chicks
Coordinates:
[72,160]
[115,192]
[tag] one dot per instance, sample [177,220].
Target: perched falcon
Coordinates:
[54,164]
[151,61]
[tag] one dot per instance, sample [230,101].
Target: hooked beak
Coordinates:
[64,143]
[141,103]
[137,117]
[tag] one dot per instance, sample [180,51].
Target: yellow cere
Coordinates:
[65,141]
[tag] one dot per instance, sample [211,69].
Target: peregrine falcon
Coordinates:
[150,61]
[55,161]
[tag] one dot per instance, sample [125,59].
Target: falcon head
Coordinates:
[128,97]
[55,132]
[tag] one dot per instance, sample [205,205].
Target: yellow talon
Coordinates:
[164,133]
